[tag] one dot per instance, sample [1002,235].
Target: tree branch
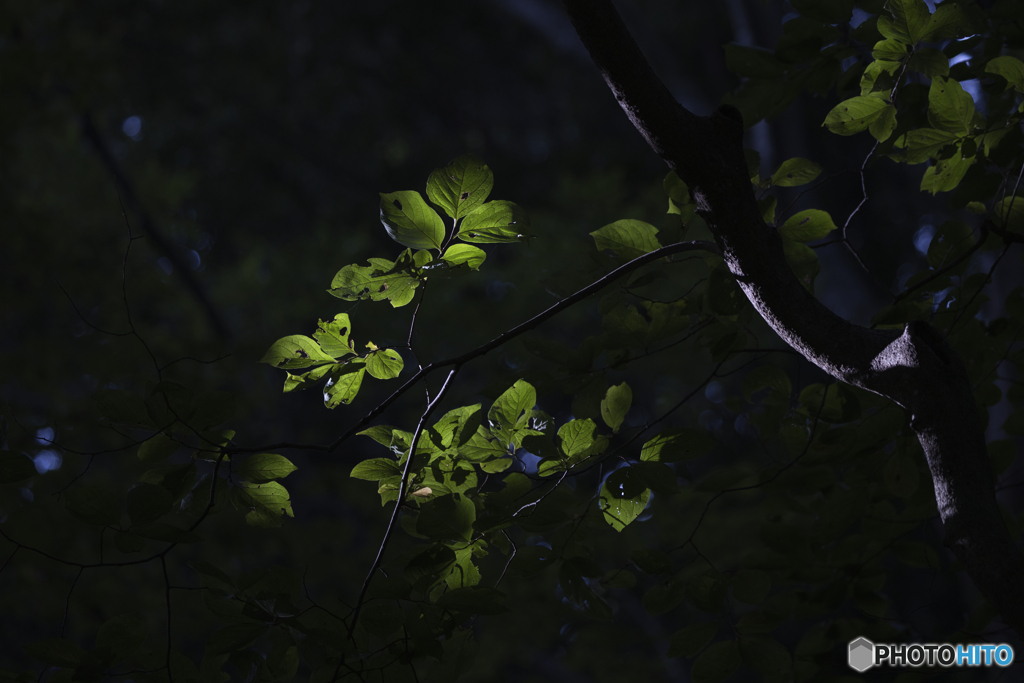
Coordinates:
[917,369]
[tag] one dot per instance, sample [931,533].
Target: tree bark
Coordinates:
[917,369]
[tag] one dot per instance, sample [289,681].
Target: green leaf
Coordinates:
[689,640]
[909,22]
[673,445]
[507,408]
[653,562]
[890,50]
[148,503]
[1008,213]
[616,404]
[900,474]
[410,221]
[772,378]
[234,637]
[267,503]
[474,600]
[93,505]
[177,479]
[375,469]
[951,240]
[795,172]
[208,569]
[882,127]
[306,379]
[951,20]
[716,663]
[1010,68]
[384,364]
[56,652]
[854,115]
[295,351]
[395,281]
[807,225]
[497,222]
[750,62]
[919,145]
[461,257]
[946,174]
[15,467]
[751,586]
[157,448]
[949,106]
[332,336]
[620,501]
[262,467]
[628,238]
[343,383]
[930,62]
[461,186]
[447,518]
[803,261]
[675,188]
[122,636]
[576,436]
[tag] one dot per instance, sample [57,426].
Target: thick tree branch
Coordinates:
[917,369]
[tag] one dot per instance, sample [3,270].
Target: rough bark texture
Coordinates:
[917,369]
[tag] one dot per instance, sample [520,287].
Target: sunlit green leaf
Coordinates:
[854,115]
[295,351]
[343,383]
[261,467]
[628,238]
[616,404]
[463,255]
[945,174]
[796,171]
[410,221]
[461,186]
[384,364]
[807,225]
[267,502]
[620,501]
[882,127]
[495,223]
[333,336]
[508,408]
[576,436]
[375,469]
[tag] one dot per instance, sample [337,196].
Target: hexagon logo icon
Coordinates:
[861,656]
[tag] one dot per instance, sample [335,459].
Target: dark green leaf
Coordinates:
[620,502]
[689,640]
[234,637]
[950,107]
[168,533]
[1010,69]
[123,407]
[751,586]
[716,663]
[951,240]
[474,600]
[15,467]
[93,505]
[56,652]
[122,636]
[157,448]
[673,445]
[148,503]
[447,518]
[909,21]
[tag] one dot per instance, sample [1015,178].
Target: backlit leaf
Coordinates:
[262,467]
[854,115]
[461,186]
[628,238]
[410,221]
[807,225]
[495,223]
[795,172]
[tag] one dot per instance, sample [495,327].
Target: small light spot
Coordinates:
[165,264]
[47,461]
[132,127]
